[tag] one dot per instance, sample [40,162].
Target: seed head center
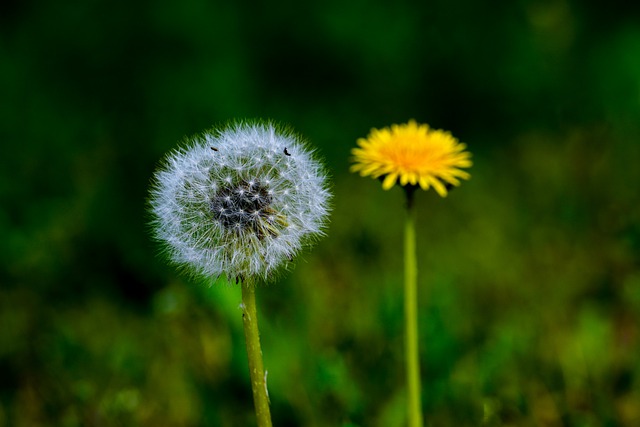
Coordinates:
[244,207]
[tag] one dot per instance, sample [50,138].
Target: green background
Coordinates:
[529,273]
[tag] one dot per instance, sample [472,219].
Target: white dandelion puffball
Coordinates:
[240,201]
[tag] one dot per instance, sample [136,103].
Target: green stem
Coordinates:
[411,316]
[254,353]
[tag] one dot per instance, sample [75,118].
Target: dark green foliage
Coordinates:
[529,273]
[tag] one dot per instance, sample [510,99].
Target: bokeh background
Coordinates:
[529,273]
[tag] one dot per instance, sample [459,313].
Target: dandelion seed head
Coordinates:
[232,210]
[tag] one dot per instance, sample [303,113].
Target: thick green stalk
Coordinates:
[411,316]
[254,353]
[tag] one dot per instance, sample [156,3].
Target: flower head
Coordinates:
[414,154]
[240,201]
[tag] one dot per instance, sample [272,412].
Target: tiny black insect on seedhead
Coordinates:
[214,148]
[286,153]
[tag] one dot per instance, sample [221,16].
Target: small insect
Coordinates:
[214,148]
[286,153]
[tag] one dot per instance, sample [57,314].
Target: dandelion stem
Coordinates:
[254,353]
[411,315]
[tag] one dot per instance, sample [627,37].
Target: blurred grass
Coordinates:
[529,273]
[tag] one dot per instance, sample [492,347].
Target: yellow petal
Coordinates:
[389,181]
[439,187]
[460,174]
[424,183]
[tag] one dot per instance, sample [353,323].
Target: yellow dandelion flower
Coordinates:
[412,154]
